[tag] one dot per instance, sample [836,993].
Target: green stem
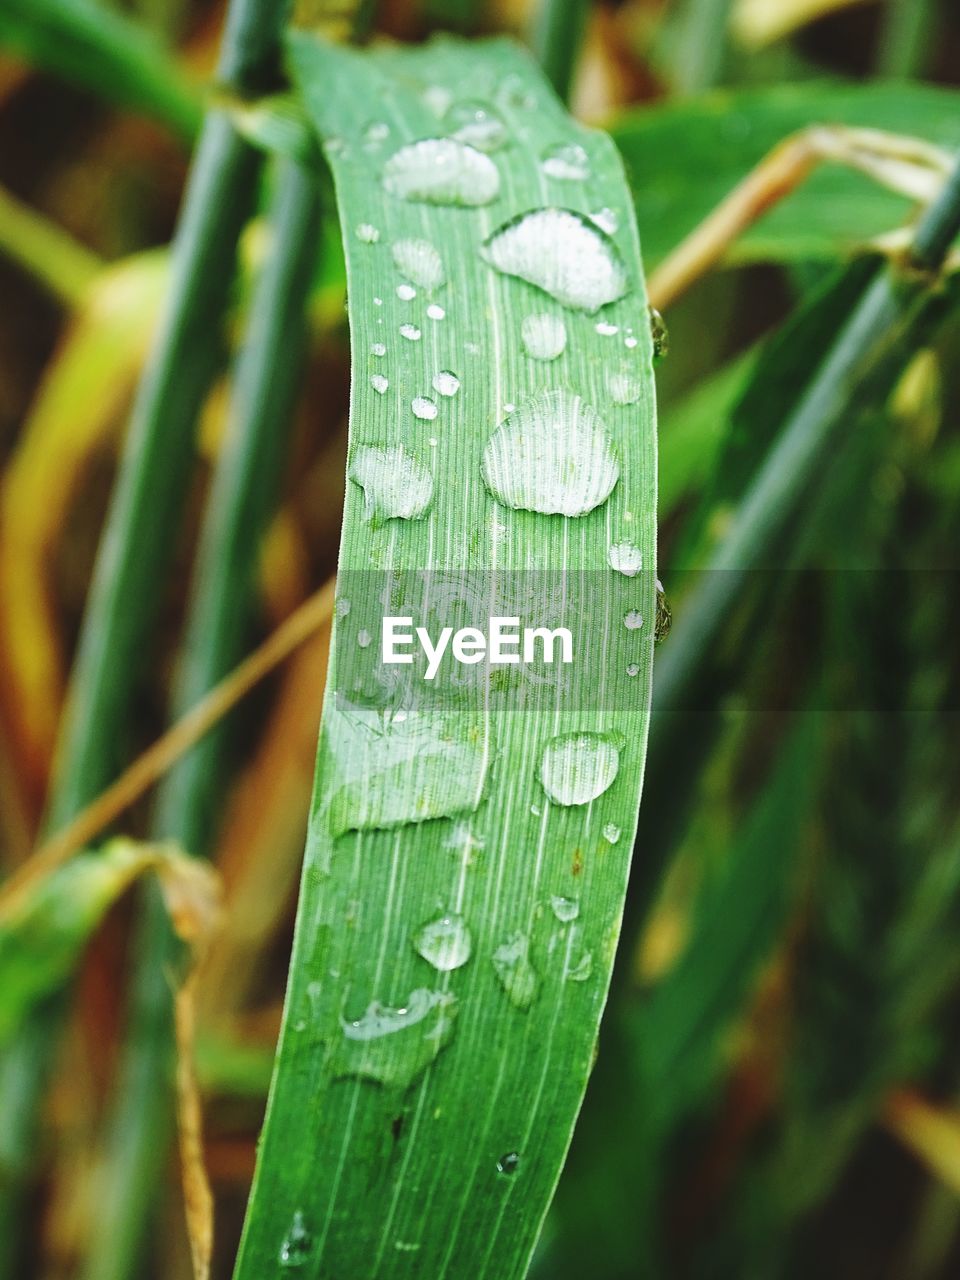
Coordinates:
[47,252]
[906,37]
[556,39]
[864,343]
[141,526]
[701,45]
[224,593]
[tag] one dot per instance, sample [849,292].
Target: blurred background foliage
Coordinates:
[778,1086]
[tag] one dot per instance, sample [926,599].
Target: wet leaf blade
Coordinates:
[438,1155]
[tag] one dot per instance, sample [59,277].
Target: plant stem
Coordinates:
[144,514]
[906,37]
[47,252]
[556,39]
[864,342]
[701,45]
[224,593]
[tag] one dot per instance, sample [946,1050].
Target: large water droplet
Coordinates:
[442,171]
[624,387]
[410,332]
[476,124]
[578,767]
[516,974]
[394,1045]
[297,1243]
[386,773]
[565,909]
[380,383]
[424,408]
[420,262]
[446,383]
[611,833]
[543,336]
[445,942]
[564,254]
[552,455]
[633,619]
[582,970]
[626,557]
[396,485]
[435,311]
[567,161]
[406,292]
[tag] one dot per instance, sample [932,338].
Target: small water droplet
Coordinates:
[578,767]
[375,133]
[516,93]
[445,942]
[607,330]
[564,254]
[626,557]
[394,1045]
[379,382]
[446,383]
[367,233]
[552,455]
[476,124]
[364,638]
[424,408]
[630,341]
[442,171]
[566,161]
[624,387]
[582,970]
[435,311]
[544,336]
[396,485]
[508,1163]
[342,607]
[420,262]
[297,1243]
[406,292]
[659,333]
[633,620]
[565,909]
[606,219]
[633,669]
[437,98]
[410,332]
[378,349]
[611,833]
[516,974]
[664,619]
[378,302]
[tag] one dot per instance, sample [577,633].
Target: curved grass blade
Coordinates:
[458,918]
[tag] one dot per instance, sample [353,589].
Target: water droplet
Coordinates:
[297,1243]
[611,833]
[476,124]
[367,233]
[379,382]
[342,607]
[394,1045]
[630,341]
[606,219]
[442,171]
[410,332]
[446,383]
[508,1163]
[396,485]
[566,161]
[378,349]
[624,387]
[376,133]
[664,619]
[378,302]
[563,254]
[364,638]
[578,767]
[659,333]
[420,262]
[633,669]
[516,974]
[582,970]
[437,98]
[606,330]
[406,292]
[633,620]
[516,93]
[424,408]
[552,455]
[626,557]
[565,909]
[445,942]
[435,312]
[543,336]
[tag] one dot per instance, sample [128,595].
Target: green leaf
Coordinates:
[683,158]
[96,47]
[457,926]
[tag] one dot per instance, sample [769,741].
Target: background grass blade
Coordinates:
[437,1154]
